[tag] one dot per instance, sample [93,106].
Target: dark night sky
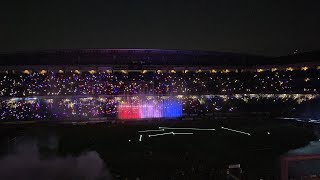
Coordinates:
[267,27]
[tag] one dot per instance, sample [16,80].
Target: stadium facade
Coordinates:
[116,84]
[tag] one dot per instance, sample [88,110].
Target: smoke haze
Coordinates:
[26,163]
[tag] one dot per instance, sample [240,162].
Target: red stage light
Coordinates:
[128,111]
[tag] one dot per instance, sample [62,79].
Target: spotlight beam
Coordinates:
[236,131]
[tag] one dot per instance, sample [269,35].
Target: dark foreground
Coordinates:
[113,151]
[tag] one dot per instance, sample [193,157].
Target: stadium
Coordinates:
[162,114]
[132,84]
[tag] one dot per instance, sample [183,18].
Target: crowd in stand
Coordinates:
[43,83]
[197,106]
[75,94]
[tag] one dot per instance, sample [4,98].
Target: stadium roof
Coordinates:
[142,57]
[312,56]
[127,57]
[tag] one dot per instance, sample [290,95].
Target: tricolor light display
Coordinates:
[151,110]
[171,108]
[161,108]
[129,111]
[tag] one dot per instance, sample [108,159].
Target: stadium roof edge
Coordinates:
[145,57]
[141,50]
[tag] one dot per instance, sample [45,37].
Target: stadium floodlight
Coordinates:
[43,72]
[26,71]
[289,69]
[236,131]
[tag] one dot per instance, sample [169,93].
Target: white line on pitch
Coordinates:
[151,130]
[152,135]
[289,118]
[236,131]
[140,138]
[182,133]
[196,129]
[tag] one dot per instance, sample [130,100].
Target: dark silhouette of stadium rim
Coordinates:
[148,59]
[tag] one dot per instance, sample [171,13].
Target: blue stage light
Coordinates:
[172,108]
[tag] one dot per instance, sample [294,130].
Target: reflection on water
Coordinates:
[26,162]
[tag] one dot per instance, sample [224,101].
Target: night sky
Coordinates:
[265,27]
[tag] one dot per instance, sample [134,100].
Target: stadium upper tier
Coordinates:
[28,83]
[103,79]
